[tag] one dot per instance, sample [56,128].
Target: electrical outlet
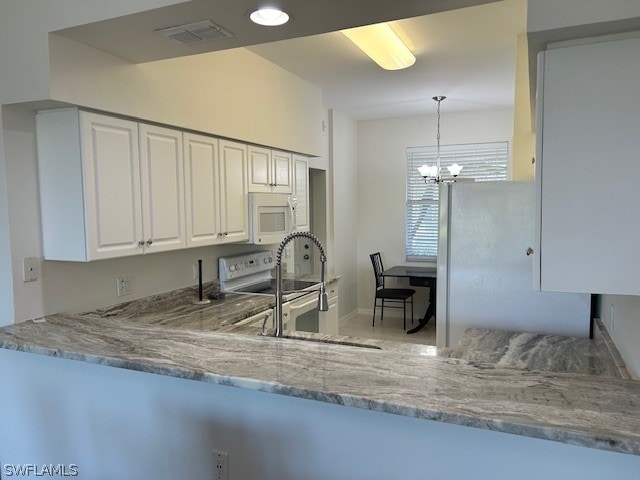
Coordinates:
[29,269]
[220,466]
[123,286]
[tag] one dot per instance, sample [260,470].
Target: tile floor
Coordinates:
[388,329]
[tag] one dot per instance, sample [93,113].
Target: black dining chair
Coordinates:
[393,295]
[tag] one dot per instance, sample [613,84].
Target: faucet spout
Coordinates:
[323,303]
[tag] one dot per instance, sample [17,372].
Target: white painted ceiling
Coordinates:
[464,52]
[467,55]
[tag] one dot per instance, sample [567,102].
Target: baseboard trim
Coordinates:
[390,313]
[348,316]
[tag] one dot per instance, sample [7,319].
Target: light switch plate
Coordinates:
[30,269]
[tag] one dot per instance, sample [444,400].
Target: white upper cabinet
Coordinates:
[113,203]
[90,195]
[201,190]
[109,187]
[588,168]
[270,171]
[234,200]
[301,191]
[161,172]
[282,165]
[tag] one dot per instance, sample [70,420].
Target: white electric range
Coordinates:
[251,273]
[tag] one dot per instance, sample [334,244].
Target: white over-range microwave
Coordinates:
[271,217]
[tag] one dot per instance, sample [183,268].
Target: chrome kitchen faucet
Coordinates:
[323,303]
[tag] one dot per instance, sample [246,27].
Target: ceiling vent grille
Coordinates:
[194,32]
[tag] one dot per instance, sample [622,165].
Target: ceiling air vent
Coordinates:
[194,32]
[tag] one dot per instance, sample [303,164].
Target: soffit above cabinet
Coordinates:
[133,37]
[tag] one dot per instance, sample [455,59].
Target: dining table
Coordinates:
[418,277]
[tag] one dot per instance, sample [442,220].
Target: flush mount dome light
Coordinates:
[269,17]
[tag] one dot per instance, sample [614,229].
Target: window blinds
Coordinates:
[481,162]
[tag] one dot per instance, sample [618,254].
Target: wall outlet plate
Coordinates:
[124,286]
[30,269]
[220,465]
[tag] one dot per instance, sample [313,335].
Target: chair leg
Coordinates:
[411,309]
[404,314]
[382,311]
[373,322]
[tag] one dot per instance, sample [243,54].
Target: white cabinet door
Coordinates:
[270,171]
[589,168]
[301,191]
[201,190]
[111,179]
[234,200]
[282,168]
[162,170]
[260,172]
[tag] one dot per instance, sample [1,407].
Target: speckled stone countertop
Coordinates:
[176,310]
[586,410]
[550,353]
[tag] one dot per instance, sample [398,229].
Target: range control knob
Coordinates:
[232,268]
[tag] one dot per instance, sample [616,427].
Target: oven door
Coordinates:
[302,314]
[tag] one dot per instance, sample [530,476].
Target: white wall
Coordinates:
[625,331]
[231,93]
[6,287]
[18,133]
[381,180]
[344,167]
[552,14]
[130,425]
[24,29]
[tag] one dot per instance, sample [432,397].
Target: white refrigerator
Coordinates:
[485,277]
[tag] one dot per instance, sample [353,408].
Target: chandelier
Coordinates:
[431,173]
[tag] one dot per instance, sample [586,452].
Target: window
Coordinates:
[481,161]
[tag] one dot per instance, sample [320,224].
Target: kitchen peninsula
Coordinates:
[430,398]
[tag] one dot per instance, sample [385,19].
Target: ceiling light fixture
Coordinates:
[269,16]
[432,173]
[383,45]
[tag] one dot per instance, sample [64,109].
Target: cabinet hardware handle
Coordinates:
[225,234]
[141,243]
[529,251]
[149,242]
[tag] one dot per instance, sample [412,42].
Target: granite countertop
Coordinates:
[549,353]
[176,310]
[586,410]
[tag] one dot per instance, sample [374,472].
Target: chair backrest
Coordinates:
[376,261]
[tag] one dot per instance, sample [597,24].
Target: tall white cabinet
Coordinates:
[588,166]
[234,200]
[202,176]
[301,191]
